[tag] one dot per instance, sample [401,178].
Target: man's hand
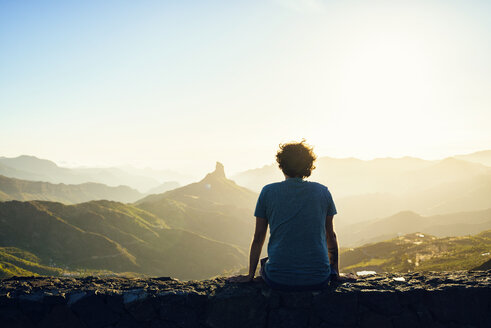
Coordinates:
[256,247]
[241,278]
[344,277]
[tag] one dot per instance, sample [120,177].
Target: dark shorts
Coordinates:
[290,288]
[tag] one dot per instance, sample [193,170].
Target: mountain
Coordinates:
[482,157]
[419,252]
[104,235]
[16,189]
[213,188]
[16,173]
[351,176]
[345,176]
[215,207]
[255,179]
[444,171]
[36,169]
[469,194]
[364,190]
[159,174]
[166,186]
[26,163]
[113,176]
[455,224]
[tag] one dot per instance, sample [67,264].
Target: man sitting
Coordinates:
[302,249]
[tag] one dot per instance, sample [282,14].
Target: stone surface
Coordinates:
[444,299]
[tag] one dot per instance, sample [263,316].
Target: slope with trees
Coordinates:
[419,252]
[103,235]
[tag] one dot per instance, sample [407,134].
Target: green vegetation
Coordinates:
[204,229]
[17,262]
[175,235]
[104,235]
[419,252]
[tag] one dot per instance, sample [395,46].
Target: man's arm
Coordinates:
[257,245]
[332,245]
[256,248]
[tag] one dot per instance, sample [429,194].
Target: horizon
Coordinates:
[180,86]
[229,173]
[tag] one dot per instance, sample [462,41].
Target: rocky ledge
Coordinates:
[444,299]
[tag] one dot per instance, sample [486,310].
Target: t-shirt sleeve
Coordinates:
[331,208]
[260,210]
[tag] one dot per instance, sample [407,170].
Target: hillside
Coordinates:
[104,235]
[16,189]
[454,224]
[16,262]
[419,252]
[213,188]
[483,157]
[215,207]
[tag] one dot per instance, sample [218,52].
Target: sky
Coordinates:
[182,84]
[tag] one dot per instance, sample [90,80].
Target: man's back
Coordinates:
[296,211]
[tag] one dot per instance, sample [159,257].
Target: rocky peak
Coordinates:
[219,172]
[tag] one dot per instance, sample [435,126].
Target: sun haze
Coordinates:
[183,84]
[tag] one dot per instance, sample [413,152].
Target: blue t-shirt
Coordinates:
[296,211]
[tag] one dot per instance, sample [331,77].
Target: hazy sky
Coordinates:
[185,83]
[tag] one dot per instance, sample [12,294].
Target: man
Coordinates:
[302,249]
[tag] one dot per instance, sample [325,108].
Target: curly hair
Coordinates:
[296,159]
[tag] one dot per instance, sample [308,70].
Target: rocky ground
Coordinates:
[443,299]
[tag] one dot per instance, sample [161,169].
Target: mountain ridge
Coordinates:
[28,167]
[404,222]
[17,189]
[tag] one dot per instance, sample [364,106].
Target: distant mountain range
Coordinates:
[469,194]
[351,176]
[482,157]
[188,233]
[16,189]
[205,228]
[445,225]
[420,252]
[36,169]
[169,185]
[364,190]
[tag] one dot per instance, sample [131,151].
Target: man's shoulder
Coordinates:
[271,186]
[318,185]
